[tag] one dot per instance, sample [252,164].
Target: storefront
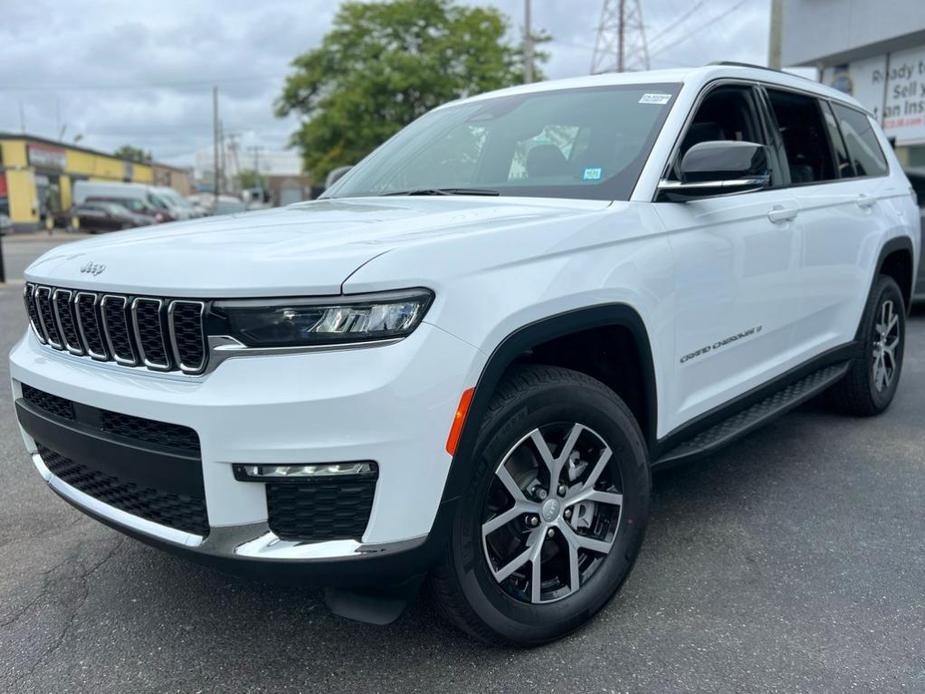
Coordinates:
[873,51]
[37,176]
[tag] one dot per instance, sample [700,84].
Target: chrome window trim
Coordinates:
[79,350]
[118,359]
[186,368]
[154,366]
[48,339]
[99,324]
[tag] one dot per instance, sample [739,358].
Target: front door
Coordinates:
[736,264]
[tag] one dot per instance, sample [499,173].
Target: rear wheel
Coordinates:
[870,384]
[554,516]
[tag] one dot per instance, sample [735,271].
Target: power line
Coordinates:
[136,86]
[696,29]
[676,23]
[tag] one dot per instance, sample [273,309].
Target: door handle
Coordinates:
[865,202]
[780,214]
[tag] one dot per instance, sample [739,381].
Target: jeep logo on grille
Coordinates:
[92,268]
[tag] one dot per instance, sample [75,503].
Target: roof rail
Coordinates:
[734,63]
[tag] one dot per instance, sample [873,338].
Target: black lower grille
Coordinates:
[52,404]
[176,511]
[164,434]
[315,510]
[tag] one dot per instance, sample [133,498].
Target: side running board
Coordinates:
[754,416]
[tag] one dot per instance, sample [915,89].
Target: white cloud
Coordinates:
[140,73]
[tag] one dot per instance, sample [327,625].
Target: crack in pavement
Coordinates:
[83,578]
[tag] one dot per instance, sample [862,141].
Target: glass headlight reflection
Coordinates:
[296,322]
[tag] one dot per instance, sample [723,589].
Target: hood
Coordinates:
[308,248]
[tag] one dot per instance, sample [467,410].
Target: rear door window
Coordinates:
[804,136]
[842,162]
[863,147]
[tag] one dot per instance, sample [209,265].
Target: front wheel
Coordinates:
[555,512]
[870,384]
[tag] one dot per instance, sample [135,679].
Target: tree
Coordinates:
[249,179]
[133,154]
[384,64]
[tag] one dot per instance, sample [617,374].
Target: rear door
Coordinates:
[737,260]
[841,219]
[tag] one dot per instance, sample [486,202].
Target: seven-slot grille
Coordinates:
[160,334]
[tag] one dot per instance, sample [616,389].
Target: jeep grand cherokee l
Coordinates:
[465,360]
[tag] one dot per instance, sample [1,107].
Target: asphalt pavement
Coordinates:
[792,561]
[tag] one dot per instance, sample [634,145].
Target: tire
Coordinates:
[864,392]
[548,402]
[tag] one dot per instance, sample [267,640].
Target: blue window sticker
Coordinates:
[592,174]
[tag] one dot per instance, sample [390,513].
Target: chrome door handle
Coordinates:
[780,214]
[865,202]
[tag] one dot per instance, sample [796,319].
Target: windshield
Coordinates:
[574,143]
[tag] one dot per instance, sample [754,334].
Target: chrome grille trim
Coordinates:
[94,309]
[171,326]
[28,298]
[52,332]
[139,340]
[77,349]
[118,358]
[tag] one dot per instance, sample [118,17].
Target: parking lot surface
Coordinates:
[792,561]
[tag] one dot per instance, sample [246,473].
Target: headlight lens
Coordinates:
[302,322]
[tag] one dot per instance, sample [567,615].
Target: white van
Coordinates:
[151,195]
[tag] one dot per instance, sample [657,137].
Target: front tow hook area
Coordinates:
[380,606]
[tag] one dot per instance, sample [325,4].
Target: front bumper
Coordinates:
[392,404]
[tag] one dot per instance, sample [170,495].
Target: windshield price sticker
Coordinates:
[655,99]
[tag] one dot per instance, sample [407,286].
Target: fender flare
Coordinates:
[899,243]
[522,339]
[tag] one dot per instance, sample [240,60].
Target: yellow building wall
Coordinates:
[20,176]
[67,195]
[23,199]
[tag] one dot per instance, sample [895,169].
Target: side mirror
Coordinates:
[719,167]
[336,175]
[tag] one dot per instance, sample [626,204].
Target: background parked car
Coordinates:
[916,177]
[137,206]
[84,190]
[6,225]
[100,216]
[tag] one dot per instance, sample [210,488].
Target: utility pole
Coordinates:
[22,118]
[528,44]
[777,17]
[222,152]
[621,38]
[215,138]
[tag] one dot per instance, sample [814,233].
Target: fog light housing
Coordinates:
[300,472]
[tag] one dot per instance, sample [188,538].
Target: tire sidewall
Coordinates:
[887,290]
[574,402]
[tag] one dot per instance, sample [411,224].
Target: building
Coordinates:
[180,179]
[282,170]
[874,51]
[38,175]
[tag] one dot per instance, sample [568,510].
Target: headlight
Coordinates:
[296,322]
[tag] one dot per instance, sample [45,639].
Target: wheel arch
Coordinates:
[533,335]
[897,260]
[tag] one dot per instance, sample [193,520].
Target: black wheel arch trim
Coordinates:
[898,243]
[530,335]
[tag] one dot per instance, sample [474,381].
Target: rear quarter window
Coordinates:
[861,140]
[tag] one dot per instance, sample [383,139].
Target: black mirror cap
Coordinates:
[723,160]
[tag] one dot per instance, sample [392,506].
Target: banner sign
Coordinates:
[892,86]
[47,156]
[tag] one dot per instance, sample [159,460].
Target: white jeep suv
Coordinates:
[463,362]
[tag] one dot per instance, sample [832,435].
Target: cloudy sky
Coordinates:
[140,72]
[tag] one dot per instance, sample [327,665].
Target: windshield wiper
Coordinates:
[447,191]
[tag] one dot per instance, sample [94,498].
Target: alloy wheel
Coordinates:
[886,340]
[552,513]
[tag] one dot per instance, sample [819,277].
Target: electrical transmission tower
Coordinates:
[621,38]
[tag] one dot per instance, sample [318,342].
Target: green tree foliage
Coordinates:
[248,178]
[133,154]
[383,64]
